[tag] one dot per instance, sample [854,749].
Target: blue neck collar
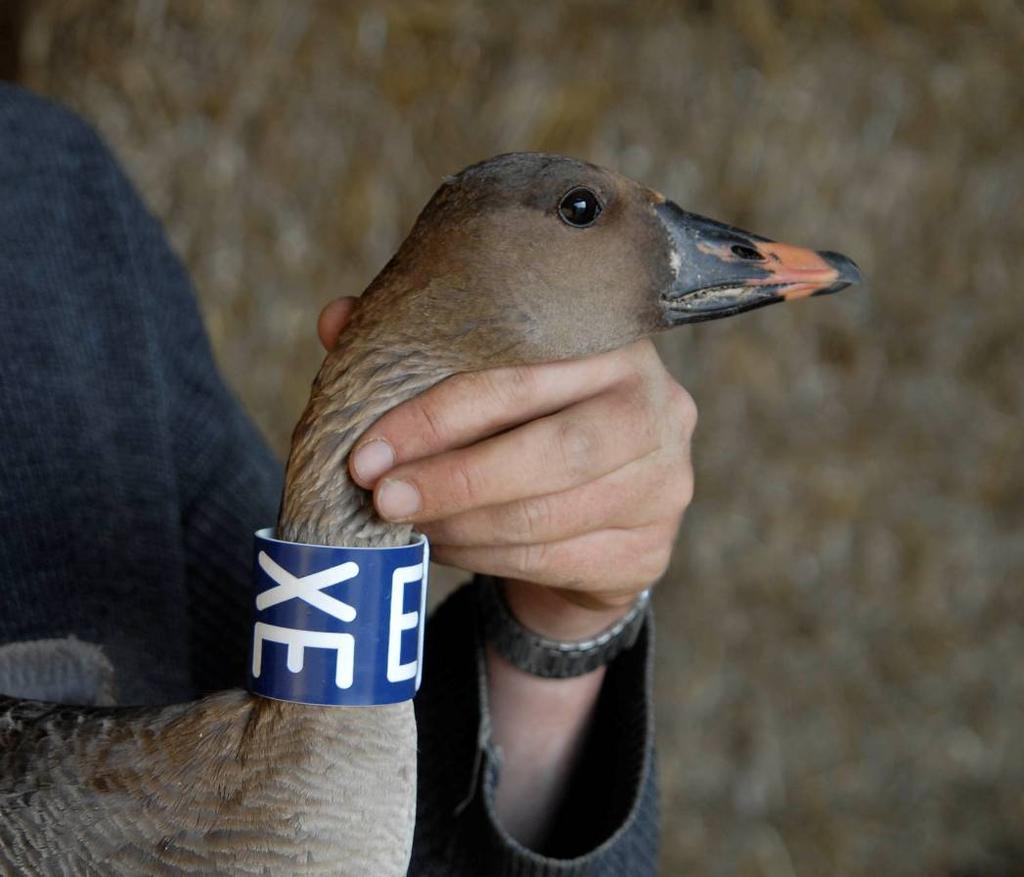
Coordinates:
[337,626]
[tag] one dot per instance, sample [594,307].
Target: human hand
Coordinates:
[568,480]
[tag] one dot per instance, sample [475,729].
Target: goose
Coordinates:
[523,258]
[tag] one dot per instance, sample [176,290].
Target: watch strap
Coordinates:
[549,658]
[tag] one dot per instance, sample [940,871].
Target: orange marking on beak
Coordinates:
[802,271]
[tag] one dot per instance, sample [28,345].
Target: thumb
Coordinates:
[333,319]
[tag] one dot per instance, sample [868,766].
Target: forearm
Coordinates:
[540,725]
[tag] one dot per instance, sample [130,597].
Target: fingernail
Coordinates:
[372,460]
[397,500]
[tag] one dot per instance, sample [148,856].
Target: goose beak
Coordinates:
[720,270]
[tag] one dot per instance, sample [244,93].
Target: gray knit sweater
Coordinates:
[131,482]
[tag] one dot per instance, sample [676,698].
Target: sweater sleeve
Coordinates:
[608,823]
[228,481]
[131,477]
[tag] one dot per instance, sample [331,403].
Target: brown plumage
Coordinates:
[521,259]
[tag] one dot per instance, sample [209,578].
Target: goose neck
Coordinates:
[356,385]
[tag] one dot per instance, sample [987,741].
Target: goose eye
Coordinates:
[579,207]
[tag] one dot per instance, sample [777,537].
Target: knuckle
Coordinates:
[534,558]
[678,487]
[641,411]
[683,408]
[432,422]
[464,483]
[636,398]
[684,495]
[676,501]
[531,518]
[576,444]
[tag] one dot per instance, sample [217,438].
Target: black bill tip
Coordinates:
[847,270]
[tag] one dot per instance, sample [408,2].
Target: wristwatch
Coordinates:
[550,658]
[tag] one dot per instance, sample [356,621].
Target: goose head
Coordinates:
[529,257]
[524,258]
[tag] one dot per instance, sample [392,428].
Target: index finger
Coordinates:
[467,408]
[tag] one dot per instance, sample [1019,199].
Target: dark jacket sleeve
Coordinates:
[131,477]
[608,823]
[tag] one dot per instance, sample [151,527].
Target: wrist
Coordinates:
[557,615]
[579,648]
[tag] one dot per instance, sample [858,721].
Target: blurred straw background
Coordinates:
[841,649]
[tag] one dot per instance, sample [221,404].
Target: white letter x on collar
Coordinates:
[307,588]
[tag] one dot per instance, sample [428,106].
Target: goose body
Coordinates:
[521,259]
[230,784]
